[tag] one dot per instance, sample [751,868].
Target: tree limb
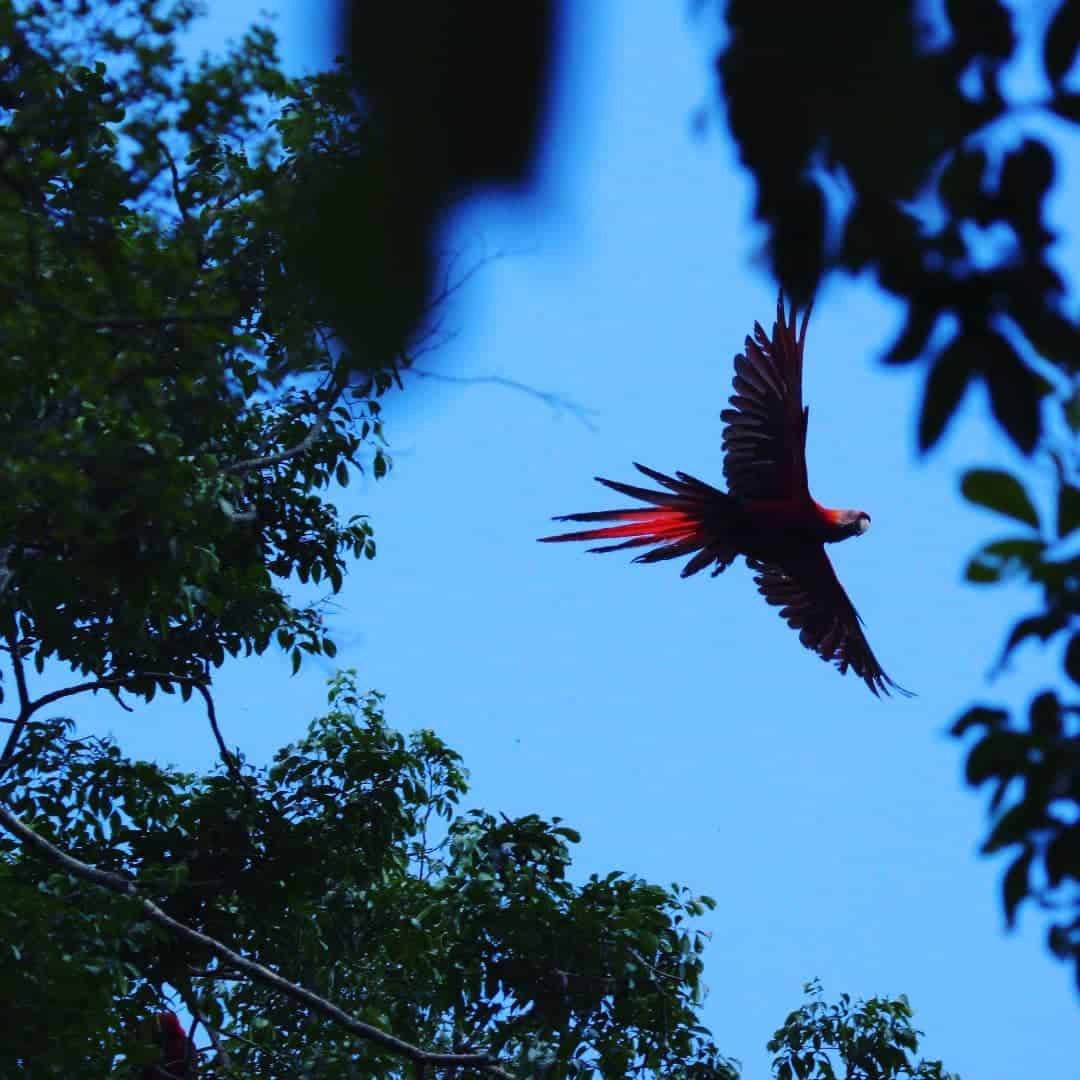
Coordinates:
[556,402]
[27,707]
[334,392]
[128,887]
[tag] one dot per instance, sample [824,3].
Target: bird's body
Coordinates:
[177,1062]
[767,515]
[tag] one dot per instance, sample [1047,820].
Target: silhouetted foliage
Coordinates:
[882,141]
[177,393]
[174,403]
[452,100]
[860,1040]
[348,866]
[171,403]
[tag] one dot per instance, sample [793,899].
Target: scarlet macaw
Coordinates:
[767,514]
[177,1061]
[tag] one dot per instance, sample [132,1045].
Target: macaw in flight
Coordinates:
[767,514]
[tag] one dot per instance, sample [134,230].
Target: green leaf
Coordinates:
[1000,753]
[1067,106]
[1072,658]
[1043,626]
[1015,390]
[1014,886]
[916,333]
[1068,514]
[1061,42]
[961,185]
[1000,491]
[945,386]
[1004,557]
[1063,855]
[1045,715]
[1014,826]
[979,716]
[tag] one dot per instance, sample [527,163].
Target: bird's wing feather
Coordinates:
[765,430]
[812,601]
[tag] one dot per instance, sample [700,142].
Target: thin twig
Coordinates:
[549,398]
[25,708]
[197,1018]
[229,758]
[111,683]
[128,887]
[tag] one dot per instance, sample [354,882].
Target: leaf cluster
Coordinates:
[876,137]
[172,403]
[346,865]
[1032,760]
[851,1040]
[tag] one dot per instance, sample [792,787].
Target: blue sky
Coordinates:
[679,724]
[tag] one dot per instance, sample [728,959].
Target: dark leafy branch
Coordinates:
[301,995]
[475,945]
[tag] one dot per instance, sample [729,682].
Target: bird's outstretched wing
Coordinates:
[812,600]
[765,430]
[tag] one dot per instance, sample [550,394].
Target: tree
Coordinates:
[347,864]
[882,140]
[868,1040]
[187,403]
[177,399]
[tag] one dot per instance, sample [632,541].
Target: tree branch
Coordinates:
[5,571]
[334,392]
[229,758]
[128,887]
[27,708]
[557,402]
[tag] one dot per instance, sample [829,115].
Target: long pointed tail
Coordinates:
[684,520]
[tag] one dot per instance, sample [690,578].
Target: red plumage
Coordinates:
[767,515]
[177,1055]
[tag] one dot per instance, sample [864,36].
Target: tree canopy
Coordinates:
[188,378]
[348,865]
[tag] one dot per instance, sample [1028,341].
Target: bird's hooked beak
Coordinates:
[862,523]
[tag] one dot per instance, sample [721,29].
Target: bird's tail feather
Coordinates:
[681,521]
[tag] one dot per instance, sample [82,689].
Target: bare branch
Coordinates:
[557,402]
[174,172]
[128,887]
[112,684]
[25,707]
[197,1017]
[217,975]
[229,758]
[6,574]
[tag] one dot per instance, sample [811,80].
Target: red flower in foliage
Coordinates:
[767,514]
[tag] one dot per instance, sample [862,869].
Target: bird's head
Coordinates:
[849,523]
